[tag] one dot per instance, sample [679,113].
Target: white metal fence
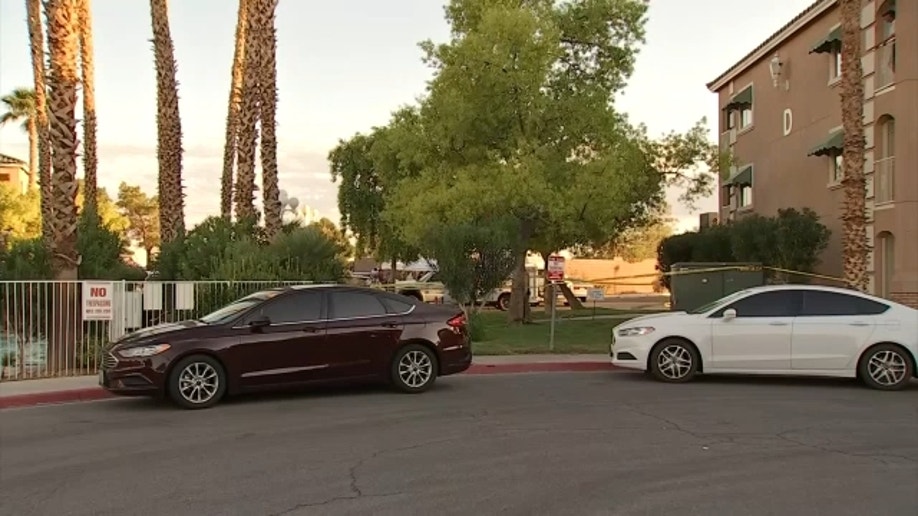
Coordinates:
[58,328]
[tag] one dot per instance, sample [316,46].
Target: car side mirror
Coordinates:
[260,322]
[729,314]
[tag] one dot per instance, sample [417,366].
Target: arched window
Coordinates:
[885,257]
[885,166]
[886,44]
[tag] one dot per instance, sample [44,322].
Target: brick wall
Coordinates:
[906,298]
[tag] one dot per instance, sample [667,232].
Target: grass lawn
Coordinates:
[539,314]
[497,337]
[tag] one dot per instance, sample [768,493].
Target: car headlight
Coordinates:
[634,332]
[144,351]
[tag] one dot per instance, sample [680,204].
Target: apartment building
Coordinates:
[14,172]
[781,119]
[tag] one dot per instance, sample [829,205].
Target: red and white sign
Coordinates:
[97,301]
[555,270]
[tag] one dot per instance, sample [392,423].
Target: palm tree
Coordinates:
[37,47]
[169,128]
[20,107]
[247,136]
[232,116]
[854,238]
[268,107]
[63,82]
[90,158]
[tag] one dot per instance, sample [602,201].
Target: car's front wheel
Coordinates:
[197,382]
[674,361]
[886,367]
[414,368]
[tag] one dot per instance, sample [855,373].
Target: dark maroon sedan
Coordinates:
[291,336]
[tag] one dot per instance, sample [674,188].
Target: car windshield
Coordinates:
[714,304]
[233,309]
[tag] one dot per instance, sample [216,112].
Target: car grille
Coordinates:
[109,361]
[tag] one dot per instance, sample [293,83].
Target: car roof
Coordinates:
[818,288]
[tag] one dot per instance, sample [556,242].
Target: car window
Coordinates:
[293,308]
[351,303]
[228,312]
[398,304]
[820,303]
[710,306]
[777,303]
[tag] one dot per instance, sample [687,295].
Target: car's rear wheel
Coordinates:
[197,382]
[503,302]
[414,369]
[674,361]
[885,367]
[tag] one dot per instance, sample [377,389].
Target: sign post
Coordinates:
[97,301]
[595,294]
[555,274]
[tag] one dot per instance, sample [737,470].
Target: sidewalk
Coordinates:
[24,393]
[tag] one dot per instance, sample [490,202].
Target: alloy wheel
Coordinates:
[887,368]
[674,362]
[198,383]
[415,369]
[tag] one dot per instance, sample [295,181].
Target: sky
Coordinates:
[343,67]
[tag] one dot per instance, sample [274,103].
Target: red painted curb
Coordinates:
[96,393]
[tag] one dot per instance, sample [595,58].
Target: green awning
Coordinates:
[887,6]
[742,178]
[830,43]
[831,146]
[740,100]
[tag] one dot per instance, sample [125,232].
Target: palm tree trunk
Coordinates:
[63,81]
[90,158]
[854,219]
[169,128]
[32,128]
[37,47]
[247,140]
[232,116]
[270,190]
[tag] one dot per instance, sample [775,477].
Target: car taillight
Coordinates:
[457,322]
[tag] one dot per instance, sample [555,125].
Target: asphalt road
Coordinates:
[587,443]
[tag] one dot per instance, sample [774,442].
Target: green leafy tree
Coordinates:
[367,168]
[20,214]
[473,259]
[336,235]
[633,244]
[142,214]
[519,122]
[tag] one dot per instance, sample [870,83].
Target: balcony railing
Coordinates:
[886,64]
[883,181]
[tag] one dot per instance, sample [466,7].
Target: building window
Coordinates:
[745,196]
[730,119]
[836,60]
[725,193]
[746,117]
[885,166]
[838,171]
[886,247]
[4,178]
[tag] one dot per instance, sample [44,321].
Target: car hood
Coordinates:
[650,317]
[159,330]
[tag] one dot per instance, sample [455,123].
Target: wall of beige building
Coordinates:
[789,119]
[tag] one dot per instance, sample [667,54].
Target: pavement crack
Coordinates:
[882,458]
[708,439]
[354,481]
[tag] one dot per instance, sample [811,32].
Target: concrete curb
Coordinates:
[97,393]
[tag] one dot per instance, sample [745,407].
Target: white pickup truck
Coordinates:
[429,289]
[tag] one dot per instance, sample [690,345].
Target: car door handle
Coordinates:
[777,323]
[859,323]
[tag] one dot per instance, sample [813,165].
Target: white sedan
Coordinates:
[777,330]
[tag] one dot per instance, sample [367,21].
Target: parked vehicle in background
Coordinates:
[777,330]
[291,336]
